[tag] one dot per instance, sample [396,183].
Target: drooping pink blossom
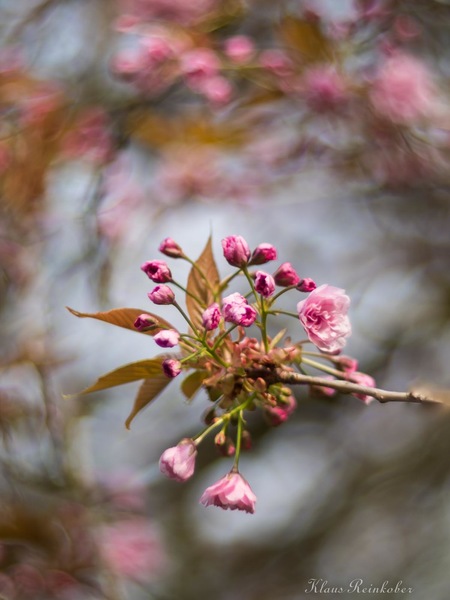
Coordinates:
[236,250]
[169,247]
[264,284]
[132,549]
[171,367]
[178,463]
[403,91]
[157,271]
[167,338]
[211,317]
[162,294]
[231,492]
[286,275]
[263,254]
[277,415]
[364,380]
[237,310]
[324,316]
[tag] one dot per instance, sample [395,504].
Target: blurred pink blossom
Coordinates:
[403,91]
[132,549]
[239,48]
[324,88]
[364,380]
[178,462]
[91,139]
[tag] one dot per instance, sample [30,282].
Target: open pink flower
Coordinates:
[324,316]
[231,492]
[178,462]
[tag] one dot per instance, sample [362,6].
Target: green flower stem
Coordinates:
[223,336]
[238,441]
[223,420]
[224,283]
[264,325]
[178,285]
[186,318]
[283,312]
[212,352]
[251,283]
[317,365]
[283,291]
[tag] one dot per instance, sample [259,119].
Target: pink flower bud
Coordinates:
[211,317]
[323,390]
[306,285]
[347,363]
[224,444]
[167,338]
[199,63]
[162,294]
[324,316]
[276,415]
[263,254]
[171,367]
[239,48]
[178,462]
[276,61]
[144,322]
[157,271]
[365,380]
[217,90]
[236,250]
[170,248]
[237,310]
[231,492]
[286,275]
[264,284]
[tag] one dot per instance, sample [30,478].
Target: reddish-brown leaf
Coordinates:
[192,384]
[305,39]
[142,369]
[149,390]
[123,317]
[203,283]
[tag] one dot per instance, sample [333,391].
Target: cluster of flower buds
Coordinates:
[243,371]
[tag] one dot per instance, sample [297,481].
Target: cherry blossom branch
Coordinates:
[346,387]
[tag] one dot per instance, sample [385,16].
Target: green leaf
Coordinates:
[148,391]
[203,282]
[142,369]
[124,317]
[306,39]
[192,384]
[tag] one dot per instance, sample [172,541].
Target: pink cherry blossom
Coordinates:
[324,316]
[178,462]
[306,285]
[324,89]
[157,271]
[263,254]
[231,492]
[236,250]
[276,415]
[211,317]
[237,310]
[239,48]
[167,338]
[162,294]
[286,275]
[145,321]
[264,284]
[169,247]
[171,367]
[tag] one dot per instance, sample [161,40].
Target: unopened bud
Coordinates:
[170,248]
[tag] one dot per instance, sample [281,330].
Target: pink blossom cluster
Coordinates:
[91,139]
[237,373]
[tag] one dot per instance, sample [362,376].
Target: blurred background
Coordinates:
[321,127]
